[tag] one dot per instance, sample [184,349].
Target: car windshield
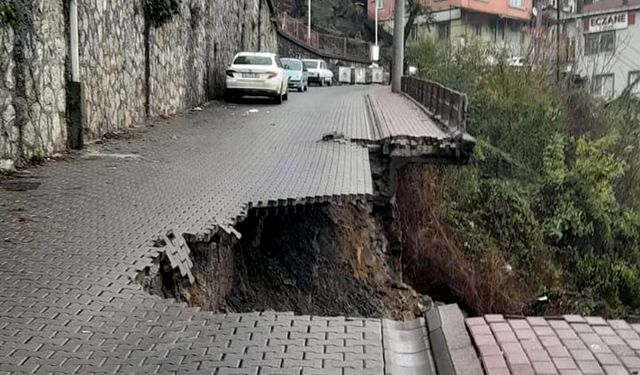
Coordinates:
[310,64]
[252,60]
[293,64]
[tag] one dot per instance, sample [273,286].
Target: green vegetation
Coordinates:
[9,15]
[160,12]
[554,186]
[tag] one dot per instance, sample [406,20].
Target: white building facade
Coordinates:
[607,48]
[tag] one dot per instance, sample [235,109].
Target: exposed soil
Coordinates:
[433,260]
[321,260]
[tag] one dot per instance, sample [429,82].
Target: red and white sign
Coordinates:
[606,22]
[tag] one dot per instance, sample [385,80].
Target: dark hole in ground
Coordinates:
[294,263]
[321,260]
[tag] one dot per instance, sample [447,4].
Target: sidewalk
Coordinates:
[71,247]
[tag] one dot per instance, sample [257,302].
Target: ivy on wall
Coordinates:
[160,12]
[9,15]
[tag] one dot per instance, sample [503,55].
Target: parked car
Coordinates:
[318,72]
[297,73]
[257,74]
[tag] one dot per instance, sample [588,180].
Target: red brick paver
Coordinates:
[565,345]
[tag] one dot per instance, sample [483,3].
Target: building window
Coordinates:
[633,76]
[571,49]
[493,26]
[602,85]
[380,4]
[443,30]
[516,3]
[414,32]
[476,30]
[599,42]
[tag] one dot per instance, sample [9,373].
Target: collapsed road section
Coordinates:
[293,204]
[328,242]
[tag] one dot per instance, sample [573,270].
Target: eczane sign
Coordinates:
[608,22]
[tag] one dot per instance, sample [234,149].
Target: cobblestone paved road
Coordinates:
[69,249]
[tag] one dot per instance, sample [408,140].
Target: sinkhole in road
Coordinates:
[330,259]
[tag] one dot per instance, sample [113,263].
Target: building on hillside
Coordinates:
[499,23]
[606,36]
[503,24]
[386,8]
[386,11]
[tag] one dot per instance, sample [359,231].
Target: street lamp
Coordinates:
[377,9]
[309,22]
[398,47]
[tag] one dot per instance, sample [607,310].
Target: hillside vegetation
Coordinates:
[345,18]
[547,217]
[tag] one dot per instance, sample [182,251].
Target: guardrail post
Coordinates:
[447,105]
[452,108]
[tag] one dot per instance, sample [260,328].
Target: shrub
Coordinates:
[160,12]
[9,14]
[553,191]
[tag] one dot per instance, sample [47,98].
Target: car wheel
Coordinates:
[286,95]
[278,99]
[228,97]
[301,88]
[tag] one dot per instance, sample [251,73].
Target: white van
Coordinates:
[318,72]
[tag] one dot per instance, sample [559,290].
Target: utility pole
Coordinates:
[538,33]
[558,41]
[73,41]
[398,47]
[309,22]
[377,9]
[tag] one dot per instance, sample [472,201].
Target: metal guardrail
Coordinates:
[325,43]
[446,105]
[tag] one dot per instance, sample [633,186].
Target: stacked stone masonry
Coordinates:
[7,84]
[187,60]
[33,95]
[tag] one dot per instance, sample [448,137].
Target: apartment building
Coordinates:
[606,35]
[499,23]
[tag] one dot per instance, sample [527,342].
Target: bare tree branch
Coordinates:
[415,8]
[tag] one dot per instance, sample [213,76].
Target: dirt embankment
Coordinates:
[325,259]
[434,262]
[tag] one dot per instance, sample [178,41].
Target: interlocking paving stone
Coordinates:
[397,117]
[570,344]
[69,250]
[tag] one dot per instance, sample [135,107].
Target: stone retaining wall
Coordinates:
[8,134]
[187,61]
[32,93]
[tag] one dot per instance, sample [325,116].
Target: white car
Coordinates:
[257,74]
[318,72]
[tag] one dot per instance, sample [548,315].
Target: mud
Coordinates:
[326,259]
